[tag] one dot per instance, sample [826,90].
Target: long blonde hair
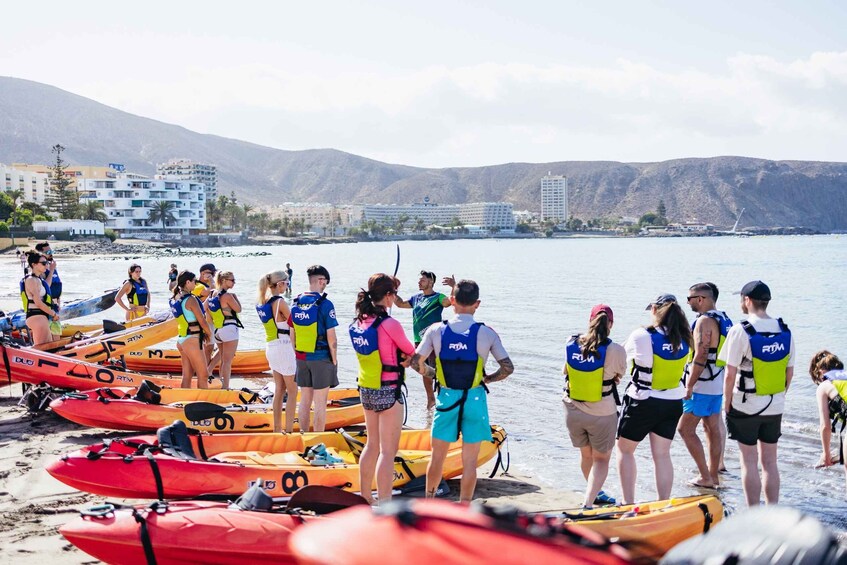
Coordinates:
[266,282]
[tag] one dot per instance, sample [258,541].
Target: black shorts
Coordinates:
[652,415]
[749,430]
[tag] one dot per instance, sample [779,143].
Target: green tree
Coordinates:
[7,206]
[92,210]
[523,227]
[14,197]
[24,218]
[161,211]
[573,224]
[648,219]
[420,226]
[401,222]
[661,211]
[4,228]
[63,199]
[36,209]
[245,213]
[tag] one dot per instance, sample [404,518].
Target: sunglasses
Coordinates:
[277,282]
[690,298]
[44,262]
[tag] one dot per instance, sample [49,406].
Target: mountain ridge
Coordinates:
[35,116]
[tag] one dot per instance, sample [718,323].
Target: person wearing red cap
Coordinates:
[593,367]
[759,357]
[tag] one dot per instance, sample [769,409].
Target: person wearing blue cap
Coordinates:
[759,357]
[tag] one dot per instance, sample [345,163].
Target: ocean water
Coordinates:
[536,293]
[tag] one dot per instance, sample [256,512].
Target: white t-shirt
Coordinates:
[487,340]
[639,350]
[715,386]
[736,352]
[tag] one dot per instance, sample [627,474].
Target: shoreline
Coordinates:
[33,504]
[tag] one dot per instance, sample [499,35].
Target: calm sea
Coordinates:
[536,293]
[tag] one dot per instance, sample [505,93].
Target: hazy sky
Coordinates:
[443,84]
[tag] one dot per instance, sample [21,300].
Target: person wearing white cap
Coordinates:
[759,357]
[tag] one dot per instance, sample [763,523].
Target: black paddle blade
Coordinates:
[323,500]
[195,411]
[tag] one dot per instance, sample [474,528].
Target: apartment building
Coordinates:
[34,186]
[554,198]
[186,169]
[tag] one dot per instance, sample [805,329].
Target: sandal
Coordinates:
[604,499]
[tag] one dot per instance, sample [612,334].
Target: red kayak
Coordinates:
[252,530]
[424,532]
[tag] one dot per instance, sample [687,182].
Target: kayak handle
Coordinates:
[100,511]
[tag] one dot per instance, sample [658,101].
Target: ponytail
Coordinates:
[220,276]
[379,285]
[672,319]
[822,362]
[598,332]
[266,282]
[183,278]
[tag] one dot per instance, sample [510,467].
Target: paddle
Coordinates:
[195,411]
[323,500]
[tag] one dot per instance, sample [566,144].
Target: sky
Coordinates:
[443,84]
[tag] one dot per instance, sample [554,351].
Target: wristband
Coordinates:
[700,364]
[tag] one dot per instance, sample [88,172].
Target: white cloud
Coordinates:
[491,112]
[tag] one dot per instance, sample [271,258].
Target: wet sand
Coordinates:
[33,504]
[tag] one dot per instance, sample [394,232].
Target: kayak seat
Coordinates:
[174,441]
[287,459]
[414,454]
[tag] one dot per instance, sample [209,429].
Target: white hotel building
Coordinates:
[554,199]
[35,187]
[186,169]
[128,199]
[486,215]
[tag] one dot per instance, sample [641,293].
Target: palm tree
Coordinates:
[160,211]
[245,210]
[92,210]
[420,225]
[286,223]
[14,196]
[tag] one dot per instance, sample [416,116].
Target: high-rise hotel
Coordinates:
[554,198]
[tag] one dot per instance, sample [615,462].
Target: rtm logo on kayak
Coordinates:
[360,341]
[22,361]
[301,316]
[398,475]
[457,347]
[124,378]
[773,348]
[581,358]
[134,338]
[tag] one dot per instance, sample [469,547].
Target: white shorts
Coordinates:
[280,354]
[229,332]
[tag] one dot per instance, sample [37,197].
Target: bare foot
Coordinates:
[700,482]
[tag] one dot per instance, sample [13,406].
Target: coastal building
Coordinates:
[428,213]
[73,227]
[497,216]
[524,217]
[486,215]
[129,199]
[323,219]
[34,186]
[74,172]
[186,169]
[554,198]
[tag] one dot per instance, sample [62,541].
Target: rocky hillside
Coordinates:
[34,116]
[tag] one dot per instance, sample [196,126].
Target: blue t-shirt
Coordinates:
[326,321]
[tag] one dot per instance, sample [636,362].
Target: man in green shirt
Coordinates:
[426,307]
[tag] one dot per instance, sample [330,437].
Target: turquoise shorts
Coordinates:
[474,425]
[703,405]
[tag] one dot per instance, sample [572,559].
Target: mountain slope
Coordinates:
[34,116]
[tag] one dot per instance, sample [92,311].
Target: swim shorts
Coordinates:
[703,405]
[651,415]
[473,425]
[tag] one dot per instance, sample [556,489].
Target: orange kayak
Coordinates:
[246,362]
[217,411]
[424,532]
[190,464]
[29,365]
[104,347]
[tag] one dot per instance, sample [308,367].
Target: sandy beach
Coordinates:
[33,504]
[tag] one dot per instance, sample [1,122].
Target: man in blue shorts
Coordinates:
[427,307]
[704,384]
[461,347]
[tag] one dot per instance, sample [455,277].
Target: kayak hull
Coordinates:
[29,365]
[653,527]
[88,306]
[234,462]
[114,409]
[108,346]
[194,532]
[246,361]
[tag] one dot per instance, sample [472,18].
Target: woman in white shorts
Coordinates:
[273,312]
[223,308]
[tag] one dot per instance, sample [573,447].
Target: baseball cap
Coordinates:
[208,267]
[601,308]
[661,300]
[757,290]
